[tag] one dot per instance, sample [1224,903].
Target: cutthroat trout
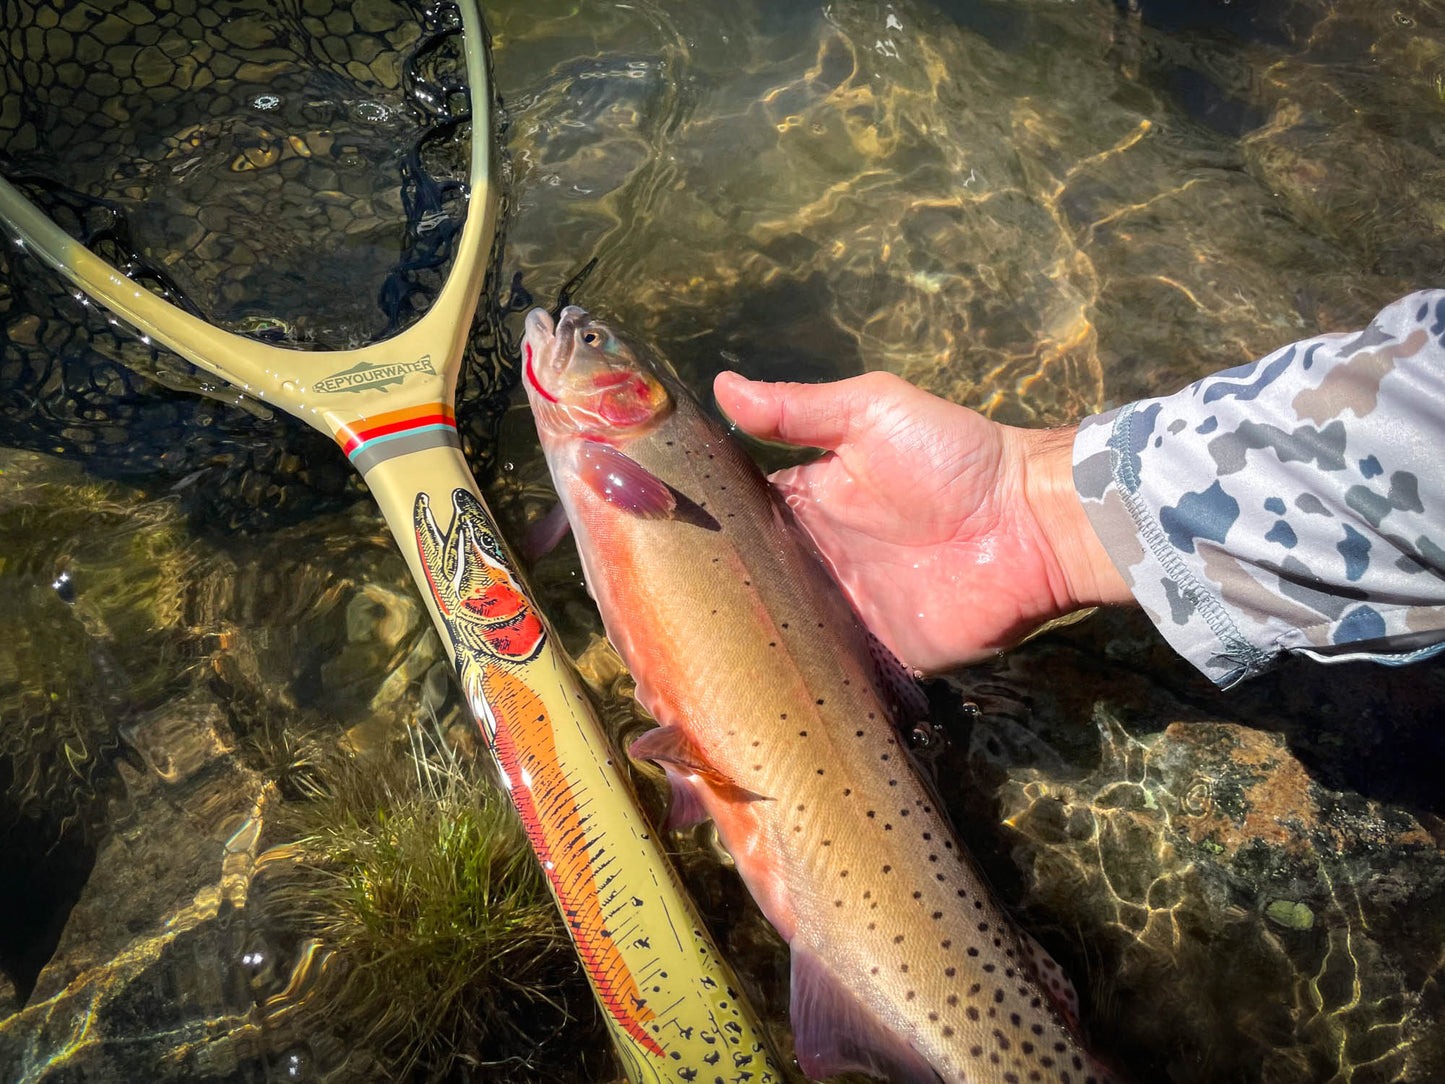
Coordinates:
[779,721]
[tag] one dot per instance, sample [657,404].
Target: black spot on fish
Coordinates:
[948,1033]
[872,813]
[972,951]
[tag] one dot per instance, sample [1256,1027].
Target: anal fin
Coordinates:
[834,1033]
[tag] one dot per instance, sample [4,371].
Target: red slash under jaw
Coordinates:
[532,375]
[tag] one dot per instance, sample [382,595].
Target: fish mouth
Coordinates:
[547,346]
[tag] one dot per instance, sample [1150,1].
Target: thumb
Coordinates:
[815,415]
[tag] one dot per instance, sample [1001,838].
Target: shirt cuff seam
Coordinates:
[1206,604]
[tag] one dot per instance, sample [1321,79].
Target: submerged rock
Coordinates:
[1231,915]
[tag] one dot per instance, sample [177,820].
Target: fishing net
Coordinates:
[292,170]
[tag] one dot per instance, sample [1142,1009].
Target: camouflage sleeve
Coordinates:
[1287,505]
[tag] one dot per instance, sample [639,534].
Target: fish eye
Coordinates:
[591,337]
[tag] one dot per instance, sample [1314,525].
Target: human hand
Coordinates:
[953,535]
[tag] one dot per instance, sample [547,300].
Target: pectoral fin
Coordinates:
[544,536]
[834,1033]
[626,484]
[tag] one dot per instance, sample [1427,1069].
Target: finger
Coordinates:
[815,415]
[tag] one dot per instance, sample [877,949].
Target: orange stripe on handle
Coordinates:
[352,434]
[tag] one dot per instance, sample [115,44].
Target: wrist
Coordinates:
[1082,573]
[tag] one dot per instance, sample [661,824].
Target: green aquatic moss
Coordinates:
[442,950]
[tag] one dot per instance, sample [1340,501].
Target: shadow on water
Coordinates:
[53,868]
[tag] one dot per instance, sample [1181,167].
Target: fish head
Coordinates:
[584,380]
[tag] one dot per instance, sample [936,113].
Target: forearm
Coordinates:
[1291,505]
[1082,573]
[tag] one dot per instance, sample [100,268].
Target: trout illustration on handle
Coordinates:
[492,625]
[779,717]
